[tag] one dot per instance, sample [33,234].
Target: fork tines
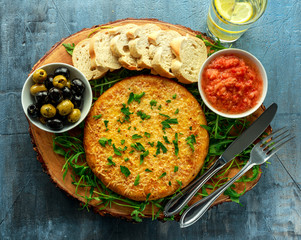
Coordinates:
[276,140]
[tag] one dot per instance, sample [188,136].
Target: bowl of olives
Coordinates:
[56,97]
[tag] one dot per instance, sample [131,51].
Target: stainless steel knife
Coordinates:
[176,204]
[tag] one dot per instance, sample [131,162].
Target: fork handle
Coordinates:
[197,210]
[176,204]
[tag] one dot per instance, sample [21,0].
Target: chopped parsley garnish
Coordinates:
[169,183]
[190,128]
[166,123]
[116,150]
[122,150]
[138,146]
[106,124]
[125,170]
[174,96]
[175,143]
[166,139]
[146,134]
[153,103]
[147,170]
[129,127]
[69,47]
[110,161]
[137,180]
[177,111]
[168,101]
[97,116]
[160,146]
[159,108]
[164,115]
[103,141]
[151,143]
[126,159]
[176,169]
[131,151]
[118,130]
[136,136]
[143,115]
[163,174]
[122,141]
[142,156]
[126,111]
[191,141]
[135,97]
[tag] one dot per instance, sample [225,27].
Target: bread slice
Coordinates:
[82,61]
[100,50]
[190,53]
[139,45]
[120,48]
[161,53]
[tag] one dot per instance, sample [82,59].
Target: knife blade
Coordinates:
[176,204]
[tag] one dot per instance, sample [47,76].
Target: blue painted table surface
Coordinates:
[33,208]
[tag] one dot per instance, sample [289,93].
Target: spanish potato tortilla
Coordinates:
[143,137]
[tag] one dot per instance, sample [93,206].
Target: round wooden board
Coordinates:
[42,141]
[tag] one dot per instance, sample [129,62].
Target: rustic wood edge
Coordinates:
[104,212]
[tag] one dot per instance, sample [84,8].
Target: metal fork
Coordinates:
[260,153]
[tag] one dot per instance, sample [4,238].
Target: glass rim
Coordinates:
[265,3]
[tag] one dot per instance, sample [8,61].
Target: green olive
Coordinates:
[65,107]
[74,116]
[37,88]
[48,111]
[59,81]
[39,76]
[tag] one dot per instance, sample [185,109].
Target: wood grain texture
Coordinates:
[33,208]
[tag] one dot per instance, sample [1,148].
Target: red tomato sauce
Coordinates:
[232,84]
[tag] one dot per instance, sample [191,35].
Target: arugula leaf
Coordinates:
[160,146]
[136,136]
[110,161]
[97,116]
[69,47]
[190,140]
[163,174]
[125,170]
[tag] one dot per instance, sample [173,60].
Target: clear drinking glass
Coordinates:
[229,19]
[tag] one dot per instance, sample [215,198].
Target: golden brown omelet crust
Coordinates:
[168,171]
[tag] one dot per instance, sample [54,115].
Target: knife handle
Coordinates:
[176,204]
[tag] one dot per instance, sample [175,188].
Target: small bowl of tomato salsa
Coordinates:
[233,83]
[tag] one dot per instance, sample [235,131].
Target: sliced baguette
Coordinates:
[100,50]
[190,54]
[82,61]
[139,44]
[161,53]
[120,48]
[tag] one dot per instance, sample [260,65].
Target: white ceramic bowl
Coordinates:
[27,98]
[253,59]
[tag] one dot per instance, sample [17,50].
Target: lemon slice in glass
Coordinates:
[239,12]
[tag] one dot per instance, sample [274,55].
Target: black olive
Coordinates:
[62,71]
[67,94]
[55,95]
[41,98]
[55,124]
[78,101]
[49,81]
[33,110]
[77,86]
